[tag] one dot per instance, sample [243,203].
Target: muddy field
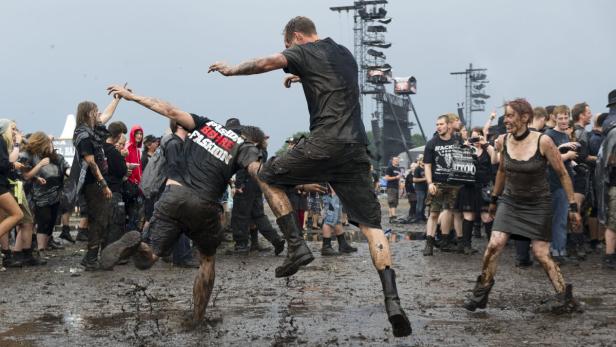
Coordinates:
[333,301]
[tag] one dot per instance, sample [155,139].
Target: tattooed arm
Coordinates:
[159,106]
[251,67]
[96,172]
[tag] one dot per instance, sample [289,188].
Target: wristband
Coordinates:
[102,183]
[494,199]
[573,207]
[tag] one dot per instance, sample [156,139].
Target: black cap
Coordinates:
[151,139]
[232,123]
[611,98]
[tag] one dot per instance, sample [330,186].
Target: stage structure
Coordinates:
[391,128]
[474,93]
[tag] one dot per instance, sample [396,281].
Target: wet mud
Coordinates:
[335,301]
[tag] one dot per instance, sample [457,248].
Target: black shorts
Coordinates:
[346,167]
[179,211]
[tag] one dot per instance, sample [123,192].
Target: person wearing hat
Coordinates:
[605,184]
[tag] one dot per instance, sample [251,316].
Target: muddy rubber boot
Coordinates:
[398,319]
[561,303]
[90,260]
[479,297]
[429,249]
[82,235]
[30,260]
[12,259]
[121,249]
[328,251]
[66,234]
[343,245]
[255,246]
[298,253]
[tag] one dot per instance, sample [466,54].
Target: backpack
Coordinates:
[155,173]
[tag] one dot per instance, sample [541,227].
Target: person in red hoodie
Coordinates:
[133,198]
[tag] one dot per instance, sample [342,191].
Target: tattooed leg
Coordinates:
[379,247]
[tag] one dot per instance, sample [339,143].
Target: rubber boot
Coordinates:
[561,303]
[467,237]
[343,245]
[298,253]
[398,319]
[479,296]
[90,260]
[446,244]
[66,234]
[429,249]
[30,260]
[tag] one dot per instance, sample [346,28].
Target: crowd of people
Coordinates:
[539,177]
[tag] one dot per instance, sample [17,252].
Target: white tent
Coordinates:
[414,152]
[64,144]
[69,128]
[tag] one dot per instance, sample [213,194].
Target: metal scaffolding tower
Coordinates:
[475,81]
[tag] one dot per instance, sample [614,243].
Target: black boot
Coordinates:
[53,244]
[479,297]
[82,234]
[254,242]
[30,260]
[467,237]
[90,260]
[561,303]
[446,244]
[399,322]
[429,249]
[12,259]
[298,253]
[66,234]
[327,250]
[343,245]
[477,230]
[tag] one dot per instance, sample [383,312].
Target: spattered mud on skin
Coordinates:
[333,301]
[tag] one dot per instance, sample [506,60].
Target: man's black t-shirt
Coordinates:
[84,148]
[420,173]
[117,168]
[439,153]
[393,171]
[212,155]
[328,74]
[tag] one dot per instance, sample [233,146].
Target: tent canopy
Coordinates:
[69,127]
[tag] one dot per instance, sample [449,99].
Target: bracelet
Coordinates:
[494,199]
[573,207]
[102,183]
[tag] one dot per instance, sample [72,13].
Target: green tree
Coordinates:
[417,140]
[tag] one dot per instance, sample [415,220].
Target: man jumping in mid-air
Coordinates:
[334,152]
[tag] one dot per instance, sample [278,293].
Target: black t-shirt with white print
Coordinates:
[439,153]
[212,156]
[328,74]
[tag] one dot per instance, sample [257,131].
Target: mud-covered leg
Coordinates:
[202,288]
[298,253]
[541,250]
[381,258]
[479,296]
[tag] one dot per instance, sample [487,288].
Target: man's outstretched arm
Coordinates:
[159,106]
[251,67]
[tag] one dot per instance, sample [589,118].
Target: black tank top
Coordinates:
[526,179]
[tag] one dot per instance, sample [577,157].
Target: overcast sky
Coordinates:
[58,53]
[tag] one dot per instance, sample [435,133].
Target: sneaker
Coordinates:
[53,244]
[66,234]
